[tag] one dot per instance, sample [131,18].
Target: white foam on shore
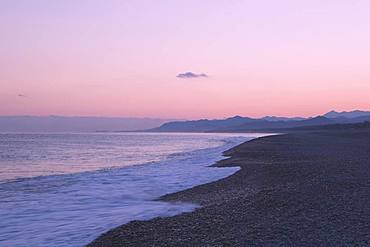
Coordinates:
[74,209]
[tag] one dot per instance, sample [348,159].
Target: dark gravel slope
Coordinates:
[303,189]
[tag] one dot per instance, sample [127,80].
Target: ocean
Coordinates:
[66,189]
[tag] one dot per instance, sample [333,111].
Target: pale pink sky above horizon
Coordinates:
[121,58]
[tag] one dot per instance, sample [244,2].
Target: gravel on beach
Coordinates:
[296,189]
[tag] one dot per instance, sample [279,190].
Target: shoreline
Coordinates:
[292,189]
[81,197]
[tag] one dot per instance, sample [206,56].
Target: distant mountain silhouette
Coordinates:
[345,114]
[274,118]
[203,125]
[237,124]
[245,124]
[232,124]
[266,125]
[352,126]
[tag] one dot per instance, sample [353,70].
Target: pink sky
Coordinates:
[121,58]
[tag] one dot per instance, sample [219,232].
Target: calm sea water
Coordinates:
[67,189]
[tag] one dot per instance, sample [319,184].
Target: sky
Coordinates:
[131,58]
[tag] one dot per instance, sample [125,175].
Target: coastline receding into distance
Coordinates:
[308,188]
[126,123]
[68,185]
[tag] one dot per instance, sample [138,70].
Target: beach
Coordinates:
[295,189]
[64,201]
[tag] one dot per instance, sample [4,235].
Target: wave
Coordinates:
[73,209]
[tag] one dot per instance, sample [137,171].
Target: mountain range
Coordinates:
[347,114]
[245,124]
[232,124]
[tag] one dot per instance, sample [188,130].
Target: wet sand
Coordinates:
[297,189]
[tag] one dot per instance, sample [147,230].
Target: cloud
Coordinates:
[190,75]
